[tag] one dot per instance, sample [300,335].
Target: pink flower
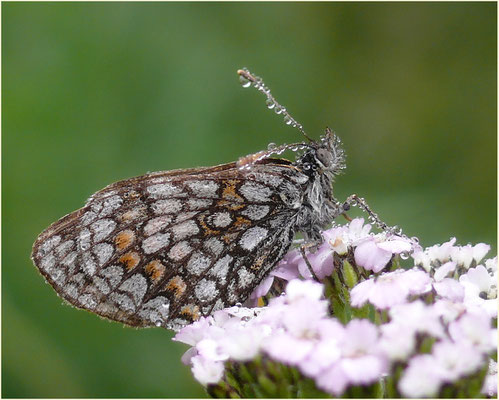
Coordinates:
[321,262]
[207,371]
[397,342]
[479,251]
[333,380]
[418,317]
[475,329]
[456,359]
[287,348]
[390,288]
[480,290]
[374,255]
[422,378]
[323,355]
[450,289]
[444,270]
[360,359]
[371,257]
[298,289]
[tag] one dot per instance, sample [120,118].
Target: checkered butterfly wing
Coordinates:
[165,248]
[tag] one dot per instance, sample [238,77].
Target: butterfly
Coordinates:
[165,248]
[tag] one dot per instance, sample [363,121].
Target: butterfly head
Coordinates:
[325,156]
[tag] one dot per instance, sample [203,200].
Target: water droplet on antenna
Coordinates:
[244,82]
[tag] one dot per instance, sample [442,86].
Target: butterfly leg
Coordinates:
[309,266]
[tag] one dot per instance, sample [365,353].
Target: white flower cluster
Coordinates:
[448,298]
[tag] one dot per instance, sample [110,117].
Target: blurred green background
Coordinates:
[97,92]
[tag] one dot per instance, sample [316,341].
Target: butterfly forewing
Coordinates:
[166,248]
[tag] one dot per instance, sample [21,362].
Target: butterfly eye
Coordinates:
[325,157]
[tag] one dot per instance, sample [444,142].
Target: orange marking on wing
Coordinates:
[124,239]
[229,206]
[133,214]
[258,263]
[230,237]
[155,270]
[176,285]
[241,221]
[206,229]
[190,311]
[130,260]
[230,192]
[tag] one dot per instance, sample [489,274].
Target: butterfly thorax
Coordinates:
[321,164]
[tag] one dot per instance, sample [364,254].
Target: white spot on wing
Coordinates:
[185,229]
[88,264]
[256,212]
[84,240]
[136,285]
[198,263]
[102,228]
[214,245]
[113,274]
[198,204]
[205,290]
[155,242]
[88,301]
[155,310]
[48,245]
[47,263]
[101,285]
[204,188]
[69,261]
[221,268]
[179,251]
[252,237]
[157,224]
[103,251]
[246,278]
[221,219]
[64,248]
[164,190]
[88,217]
[167,206]
[124,302]
[268,179]
[110,205]
[255,192]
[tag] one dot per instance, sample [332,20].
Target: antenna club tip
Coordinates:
[241,72]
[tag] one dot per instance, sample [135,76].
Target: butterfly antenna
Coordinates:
[247,79]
